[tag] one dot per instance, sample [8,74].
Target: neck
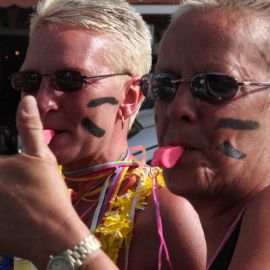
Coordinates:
[95,159]
[225,202]
[96,176]
[217,213]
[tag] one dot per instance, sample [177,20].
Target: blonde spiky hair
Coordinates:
[130,34]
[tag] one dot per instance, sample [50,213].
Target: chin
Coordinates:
[62,160]
[61,155]
[182,183]
[175,182]
[191,183]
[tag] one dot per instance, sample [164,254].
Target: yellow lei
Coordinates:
[117,224]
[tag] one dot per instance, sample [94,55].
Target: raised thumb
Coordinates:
[31,129]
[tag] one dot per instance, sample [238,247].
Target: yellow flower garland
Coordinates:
[117,224]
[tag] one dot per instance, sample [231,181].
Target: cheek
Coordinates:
[160,113]
[159,126]
[92,128]
[161,122]
[75,110]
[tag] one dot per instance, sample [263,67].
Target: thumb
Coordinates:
[31,129]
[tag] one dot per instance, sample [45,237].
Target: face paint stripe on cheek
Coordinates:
[92,128]
[236,124]
[228,150]
[99,101]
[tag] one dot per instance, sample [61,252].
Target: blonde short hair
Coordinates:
[130,34]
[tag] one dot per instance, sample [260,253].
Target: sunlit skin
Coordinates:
[78,143]
[217,184]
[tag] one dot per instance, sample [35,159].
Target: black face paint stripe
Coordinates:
[92,128]
[99,101]
[228,150]
[237,124]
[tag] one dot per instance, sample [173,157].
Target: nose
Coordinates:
[183,106]
[47,97]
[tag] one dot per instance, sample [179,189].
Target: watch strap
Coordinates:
[80,251]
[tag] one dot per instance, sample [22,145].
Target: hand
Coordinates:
[37,217]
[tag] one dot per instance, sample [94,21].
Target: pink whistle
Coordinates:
[48,135]
[167,156]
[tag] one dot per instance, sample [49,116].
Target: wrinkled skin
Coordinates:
[192,122]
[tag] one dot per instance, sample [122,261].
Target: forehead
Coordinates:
[196,37]
[60,45]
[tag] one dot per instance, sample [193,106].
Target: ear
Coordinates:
[132,99]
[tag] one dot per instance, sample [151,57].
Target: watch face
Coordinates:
[60,263]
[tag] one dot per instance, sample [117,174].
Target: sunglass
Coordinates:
[65,81]
[209,87]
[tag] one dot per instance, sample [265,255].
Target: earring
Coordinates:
[123,121]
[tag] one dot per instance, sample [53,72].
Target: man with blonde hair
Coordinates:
[83,66]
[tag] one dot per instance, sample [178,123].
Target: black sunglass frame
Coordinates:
[67,76]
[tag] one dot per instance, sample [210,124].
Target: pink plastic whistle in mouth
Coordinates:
[167,156]
[48,135]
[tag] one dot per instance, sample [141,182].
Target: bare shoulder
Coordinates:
[175,211]
[176,207]
[182,231]
[180,220]
[253,246]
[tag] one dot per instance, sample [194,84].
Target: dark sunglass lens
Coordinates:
[158,86]
[214,88]
[68,81]
[221,87]
[26,81]
[198,87]
[167,89]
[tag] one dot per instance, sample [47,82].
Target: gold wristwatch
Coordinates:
[72,259]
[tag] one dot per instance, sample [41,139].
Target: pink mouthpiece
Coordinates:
[167,156]
[48,135]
